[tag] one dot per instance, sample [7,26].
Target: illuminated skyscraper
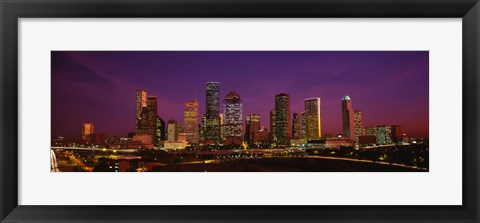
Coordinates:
[222,126]
[172,131]
[297,126]
[347,118]
[148,119]
[190,119]
[283,122]
[312,119]
[357,119]
[233,120]
[141,102]
[252,125]
[87,130]
[212,128]
[273,128]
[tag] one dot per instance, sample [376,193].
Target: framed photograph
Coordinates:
[326,111]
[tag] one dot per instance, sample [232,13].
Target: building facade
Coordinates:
[357,119]
[252,125]
[212,125]
[202,128]
[283,124]
[190,119]
[384,134]
[313,121]
[161,132]
[297,126]
[304,125]
[233,118]
[172,131]
[87,129]
[347,118]
[141,102]
[148,119]
[397,134]
[222,127]
[273,128]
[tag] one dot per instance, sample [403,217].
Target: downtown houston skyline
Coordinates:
[96,87]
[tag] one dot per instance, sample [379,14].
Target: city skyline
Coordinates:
[392,103]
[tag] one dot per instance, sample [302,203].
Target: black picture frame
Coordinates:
[12,10]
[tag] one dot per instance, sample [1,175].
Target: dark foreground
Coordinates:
[286,164]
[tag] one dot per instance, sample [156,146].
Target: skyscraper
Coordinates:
[357,119]
[233,121]
[141,102]
[273,128]
[252,125]
[347,118]
[304,125]
[190,119]
[312,119]
[202,127]
[283,122]
[152,103]
[87,129]
[222,126]
[297,126]
[212,128]
[161,134]
[147,123]
[172,131]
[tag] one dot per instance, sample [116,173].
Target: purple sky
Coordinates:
[390,87]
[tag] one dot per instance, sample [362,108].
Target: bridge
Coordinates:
[94,149]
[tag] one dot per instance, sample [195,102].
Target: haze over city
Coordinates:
[98,87]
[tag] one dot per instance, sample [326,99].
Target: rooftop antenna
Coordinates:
[195,94]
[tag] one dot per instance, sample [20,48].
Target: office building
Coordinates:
[297,126]
[172,131]
[161,132]
[252,125]
[233,119]
[87,129]
[357,119]
[397,134]
[313,128]
[190,119]
[141,102]
[212,127]
[273,120]
[347,118]
[283,130]
[147,123]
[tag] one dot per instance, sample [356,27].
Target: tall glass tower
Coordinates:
[233,121]
[212,125]
[312,118]
[283,122]
[347,118]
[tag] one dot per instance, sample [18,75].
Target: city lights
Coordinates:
[286,116]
